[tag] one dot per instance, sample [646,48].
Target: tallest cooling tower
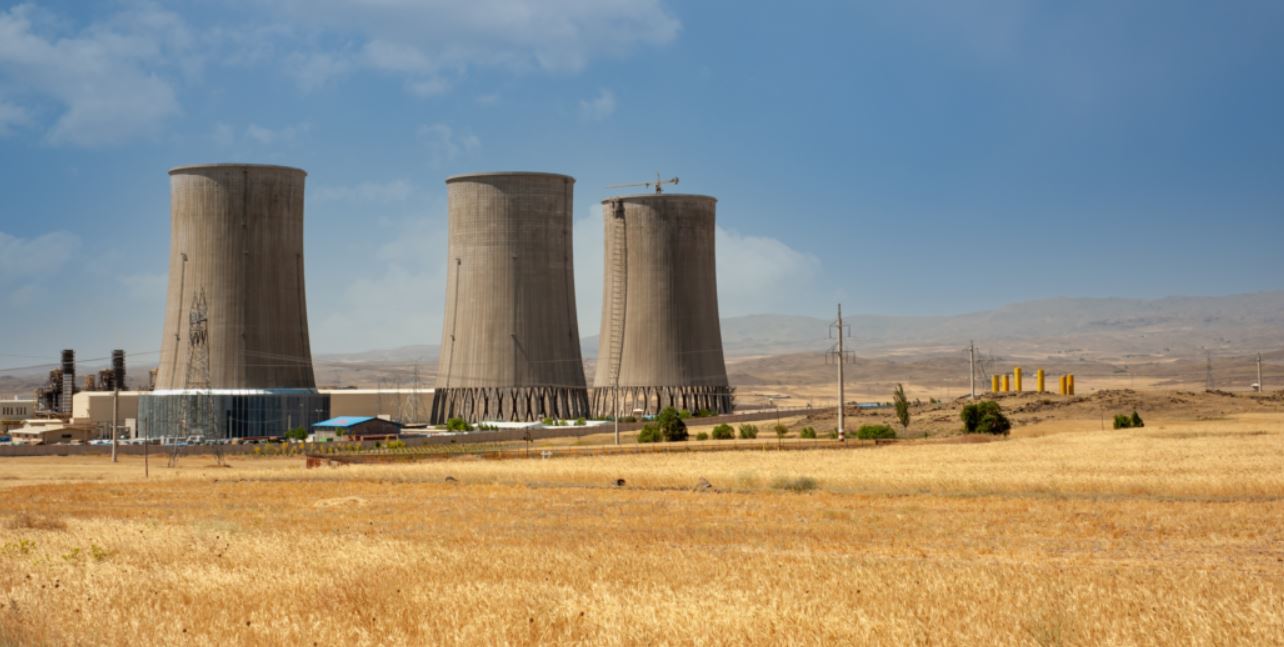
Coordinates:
[510,343]
[235,356]
[661,341]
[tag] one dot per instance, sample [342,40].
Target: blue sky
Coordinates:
[905,157]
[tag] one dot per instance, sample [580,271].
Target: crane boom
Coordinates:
[658,183]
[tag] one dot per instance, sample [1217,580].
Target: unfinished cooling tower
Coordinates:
[661,341]
[510,344]
[235,357]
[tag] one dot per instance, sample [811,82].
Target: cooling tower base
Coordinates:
[653,399]
[516,404]
[229,413]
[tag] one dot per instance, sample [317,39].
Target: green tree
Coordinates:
[781,432]
[650,433]
[808,433]
[298,433]
[875,432]
[902,407]
[985,417]
[671,425]
[1136,419]
[723,432]
[748,431]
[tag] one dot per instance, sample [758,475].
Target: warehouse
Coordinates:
[354,428]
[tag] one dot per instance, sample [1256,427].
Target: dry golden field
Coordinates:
[1063,534]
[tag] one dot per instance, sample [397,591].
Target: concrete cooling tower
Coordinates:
[661,341]
[235,356]
[510,343]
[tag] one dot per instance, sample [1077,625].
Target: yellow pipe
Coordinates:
[1007,384]
[1070,383]
[994,384]
[1038,379]
[1016,379]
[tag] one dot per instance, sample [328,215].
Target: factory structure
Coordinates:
[661,339]
[236,360]
[510,341]
[235,356]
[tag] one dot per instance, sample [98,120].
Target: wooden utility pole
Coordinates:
[1261,388]
[840,355]
[971,353]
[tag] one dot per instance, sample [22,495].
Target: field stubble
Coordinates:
[1168,534]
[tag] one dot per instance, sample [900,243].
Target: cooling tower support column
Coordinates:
[661,340]
[510,348]
[236,360]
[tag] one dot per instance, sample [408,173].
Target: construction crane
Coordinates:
[658,184]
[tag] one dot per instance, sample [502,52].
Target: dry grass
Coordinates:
[1069,536]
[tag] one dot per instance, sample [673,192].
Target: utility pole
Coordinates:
[840,329]
[117,380]
[1209,384]
[1261,388]
[615,397]
[971,354]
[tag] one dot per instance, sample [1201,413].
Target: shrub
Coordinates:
[702,436]
[704,413]
[723,432]
[1136,419]
[579,422]
[458,424]
[800,484]
[298,433]
[684,414]
[624,419]
[748,431]
[650,433]
[781,430]
[875,432]
[985,418]
[396,444]
[671,426]
[1122,421]
[548,422]
[809,433]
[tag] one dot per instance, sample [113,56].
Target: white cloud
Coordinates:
[316,69]
[599,107]
[393,191]
[285,135]
[444,144]
[757,274]
[35,257]
[12,116]
[427,39]
[408,271]
[107,80]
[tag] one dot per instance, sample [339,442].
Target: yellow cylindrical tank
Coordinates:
[1007,383]
[994,384]
[1038,380]
[1016,379]
[1070,384]
[1061,384]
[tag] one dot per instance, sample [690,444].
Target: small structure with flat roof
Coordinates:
[354,427]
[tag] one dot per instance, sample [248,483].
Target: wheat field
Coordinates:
[1063,534]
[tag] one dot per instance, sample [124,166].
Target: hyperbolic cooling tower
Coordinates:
[235,356]
[510,344]
[661,341]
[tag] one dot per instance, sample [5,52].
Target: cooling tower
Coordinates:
[510,345]
[661,341]
[235,357]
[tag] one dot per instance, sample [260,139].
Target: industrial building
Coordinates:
[354,428]
[661,340]
[236,360]
[510,346]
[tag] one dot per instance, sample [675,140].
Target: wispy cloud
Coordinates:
[392,191]
[109,79]
[446,145]
[599,107]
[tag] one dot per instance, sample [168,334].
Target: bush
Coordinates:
[702,436]
[671,426]
[396,444]
[809,433]
[684,414]
[748,431]
[704,413]
[985,418]
[781,430]
[875,432]
[298,433]
[1136,419]
[723,432]
[1122,421]
[458,424]
[580,422]
[650,433]
[624,419]
[548,422]
[800,484]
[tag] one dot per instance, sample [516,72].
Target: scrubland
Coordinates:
[1063,534]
